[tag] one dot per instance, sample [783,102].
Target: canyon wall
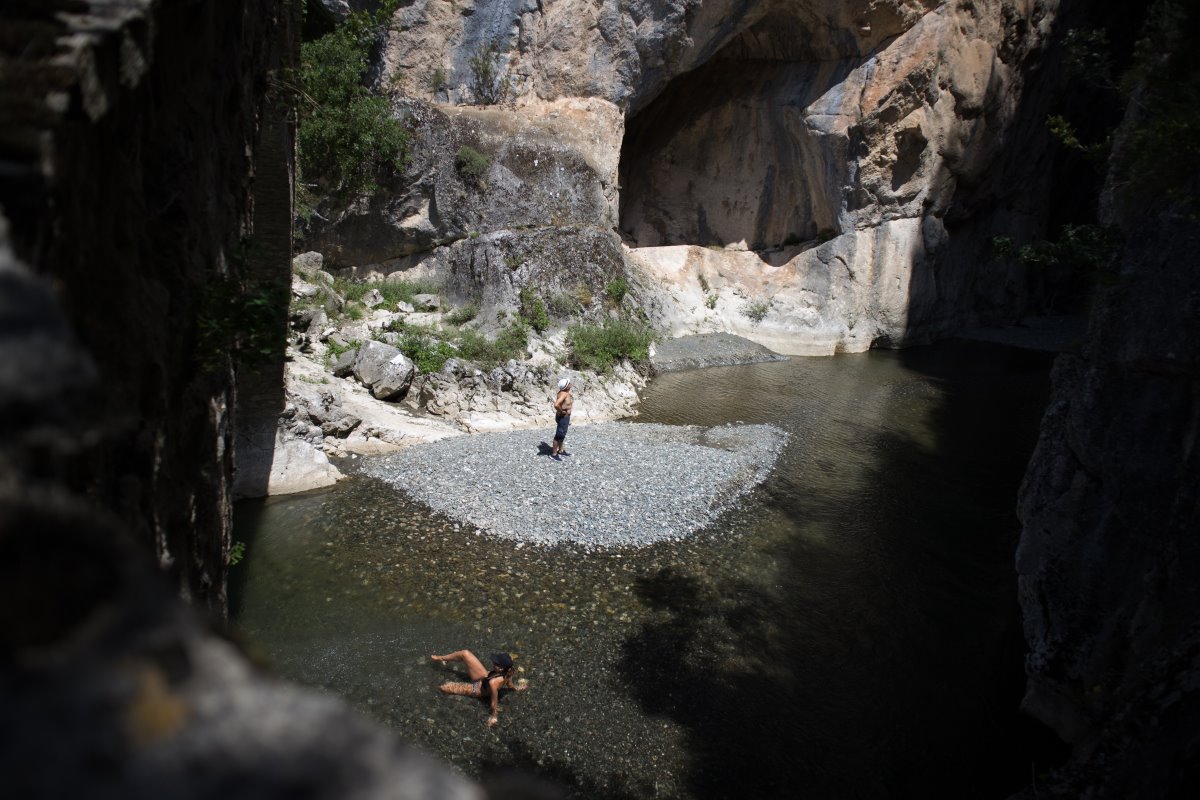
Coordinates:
[817,176]
[1110,508]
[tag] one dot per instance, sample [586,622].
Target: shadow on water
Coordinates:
[886,665]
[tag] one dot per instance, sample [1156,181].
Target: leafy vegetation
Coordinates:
[1158,153]
[711,301]
[463,314]
[756,311]
[393,292]
[487,353]
[346,136]
[563,304]
[1084,248]
[703,281]
[616,289]
[436,80]
[533,310]
[471,163]
[599,347]
[237,551]
[425,348]
[490,82]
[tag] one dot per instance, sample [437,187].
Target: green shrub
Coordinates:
[616,289]
[1083,248]
[490,83]
[563,305]
[487,353]
[335,350]
[703,281]
[436,81]
[392,291]
[470,163]
[757,310]
[599,347]
[513,341]
[426,351]
[345,135]
[463,314]
[711,301]
[533,310]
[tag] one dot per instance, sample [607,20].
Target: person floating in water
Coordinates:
[484,684]
[562,415]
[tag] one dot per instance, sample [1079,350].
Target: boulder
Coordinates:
[384,370]
[311,262]
[372,298]
[343,365]
[405,308]
[303,289]
[427,302]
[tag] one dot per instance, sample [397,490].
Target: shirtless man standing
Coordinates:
[562,414]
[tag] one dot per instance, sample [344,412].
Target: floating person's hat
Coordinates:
[502,660]
[564,383]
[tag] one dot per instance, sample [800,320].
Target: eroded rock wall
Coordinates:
[900,137]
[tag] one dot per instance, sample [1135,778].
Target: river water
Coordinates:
[848,630]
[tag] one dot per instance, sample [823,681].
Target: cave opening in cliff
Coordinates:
[745,149]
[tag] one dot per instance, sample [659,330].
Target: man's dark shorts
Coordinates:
[560,432]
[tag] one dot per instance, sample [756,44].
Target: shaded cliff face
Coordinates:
[867,152]
[137,137]
[139,155]
[1109,557]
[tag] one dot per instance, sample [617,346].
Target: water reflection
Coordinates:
[849,630]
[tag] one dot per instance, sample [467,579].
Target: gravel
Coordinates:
[623,484]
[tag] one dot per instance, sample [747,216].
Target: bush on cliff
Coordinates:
[346,135]
[599,347]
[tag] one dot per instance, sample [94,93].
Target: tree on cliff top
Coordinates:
[346,135]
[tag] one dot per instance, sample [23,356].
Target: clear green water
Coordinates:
[850,630]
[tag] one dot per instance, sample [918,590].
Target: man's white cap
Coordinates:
[564,383]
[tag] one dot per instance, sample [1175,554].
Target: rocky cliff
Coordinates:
[817,176]
[1110,506]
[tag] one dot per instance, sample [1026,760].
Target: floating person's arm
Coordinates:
[495,697]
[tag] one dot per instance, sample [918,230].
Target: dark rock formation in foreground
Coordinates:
[145,172]
[1110,551]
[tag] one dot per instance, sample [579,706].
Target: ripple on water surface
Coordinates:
[839,632]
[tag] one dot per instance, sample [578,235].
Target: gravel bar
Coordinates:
[709,350]
[623,484]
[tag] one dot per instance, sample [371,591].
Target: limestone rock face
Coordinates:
[866,152]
